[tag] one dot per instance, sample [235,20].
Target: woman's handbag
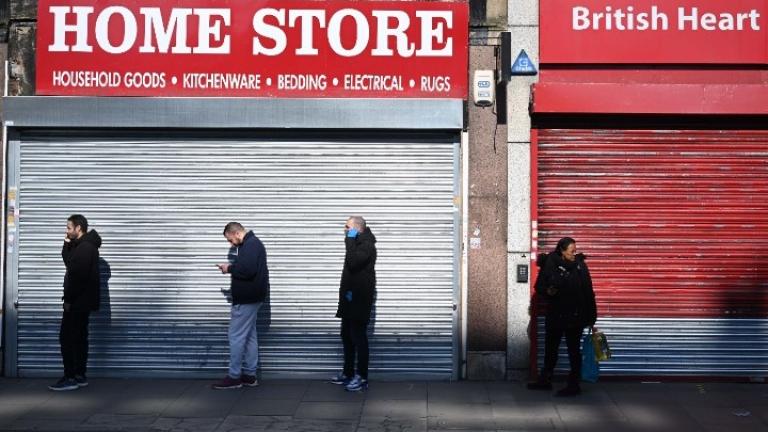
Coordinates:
[590,368]
[600,344]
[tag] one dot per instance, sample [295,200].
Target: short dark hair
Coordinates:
[233,227]
[79,220]
[563,244]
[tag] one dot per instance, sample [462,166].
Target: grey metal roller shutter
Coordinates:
[160,205]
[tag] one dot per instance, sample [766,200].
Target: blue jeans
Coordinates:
[243,340]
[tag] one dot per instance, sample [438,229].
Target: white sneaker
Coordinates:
[357,384]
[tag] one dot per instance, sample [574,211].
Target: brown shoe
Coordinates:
[249,380]
[228,383]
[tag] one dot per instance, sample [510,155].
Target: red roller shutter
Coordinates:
[675,224]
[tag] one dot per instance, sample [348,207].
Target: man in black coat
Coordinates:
[357,293]
[566,285]
[249,287]
[81,296]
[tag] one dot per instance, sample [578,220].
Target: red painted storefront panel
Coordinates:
[650,98]
[674,222]
[653,32]
[681,57]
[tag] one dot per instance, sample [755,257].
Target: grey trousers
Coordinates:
[243,340]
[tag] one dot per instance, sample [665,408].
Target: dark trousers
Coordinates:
[554,332]
[354,336]
[73,338]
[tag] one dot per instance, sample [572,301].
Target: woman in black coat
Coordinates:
[566,286]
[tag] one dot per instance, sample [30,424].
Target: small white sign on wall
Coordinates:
[475,242]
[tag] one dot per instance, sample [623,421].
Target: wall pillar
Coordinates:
[524,29]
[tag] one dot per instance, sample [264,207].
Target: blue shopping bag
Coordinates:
[590,368]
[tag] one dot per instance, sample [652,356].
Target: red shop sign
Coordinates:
[654,31]
[254,48]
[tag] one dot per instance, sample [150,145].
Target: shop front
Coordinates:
[161,124]
[650,148]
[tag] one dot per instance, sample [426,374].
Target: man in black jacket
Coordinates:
[249,287]
[566,285]
[357,292]
[81,296]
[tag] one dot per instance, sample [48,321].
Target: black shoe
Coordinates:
[64,384]
[249,380]
[568,391]
[228,383]
[540,384]
[81,380]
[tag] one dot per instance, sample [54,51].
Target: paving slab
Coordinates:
[285,424]
[724,417]
[112,405]
[162,386]
[465,430]
[148,405]
[527,409]
[11,410]
[397,391]
[758,409]
[527,424]
[247,406]
[68,406]
[140,397]
[118,421]
[607,427]
[465,392]
[386,424]
[21,385]
[753,394]
[659,417]
[201,400]
[169,424]
[322,391]
[395,409]
[512,415]
[582,412]
[329,410]
[277,390]
[57,425]
[506,391]
[452,415]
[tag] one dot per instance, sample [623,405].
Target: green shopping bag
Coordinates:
[600,344]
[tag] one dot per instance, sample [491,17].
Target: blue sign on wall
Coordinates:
[523,65]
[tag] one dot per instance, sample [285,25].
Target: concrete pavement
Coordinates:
[315,406]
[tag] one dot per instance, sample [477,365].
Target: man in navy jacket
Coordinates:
[249,288]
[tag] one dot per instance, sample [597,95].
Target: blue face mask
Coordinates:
[352,232]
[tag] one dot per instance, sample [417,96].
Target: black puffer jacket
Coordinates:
[81,280]
[249,271]
[566,287]
[358,279]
